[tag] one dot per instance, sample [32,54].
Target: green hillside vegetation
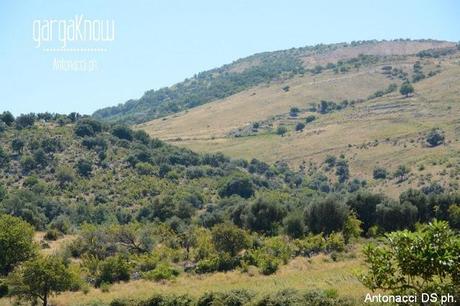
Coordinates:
[132,208]
[379,113]
[262,68]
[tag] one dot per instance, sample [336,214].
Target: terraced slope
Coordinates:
[385,131]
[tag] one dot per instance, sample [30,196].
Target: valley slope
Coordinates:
[383,131]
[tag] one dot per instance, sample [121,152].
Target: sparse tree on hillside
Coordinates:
[39,278]
[401,173]
[406,89]
[299,126]
[435,137]
[281,130]
[17,145]
[7,117]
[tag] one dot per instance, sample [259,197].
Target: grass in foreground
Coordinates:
[319,272]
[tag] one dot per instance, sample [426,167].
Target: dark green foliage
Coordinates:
[294,225]
[17,145]
[326,215]
[406,89]
[419,200]
[435,137]
[84,167]
[202,88]
[265,215]
[51,145]
[4,158]
[325,107]
[236,297]
[237,185]
[281,130]
[392,215]
[310,118]
[436,53]
[7,118]
[29,206]
[380,173]
[123,132]
[88,127]
[40,158]
[25,121]
[365,204]
[294,111]
[299,126]
[342,170]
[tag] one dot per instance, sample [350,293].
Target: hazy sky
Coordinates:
[159,43]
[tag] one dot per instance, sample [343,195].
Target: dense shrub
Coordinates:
[239,185]
[235,297]
[162,271]
[299,126]
[380,173]
[84,167]
[265,215]
[435,137]
[123,132]
[294,225]
[25,121]
[326,215]
[310,118]
[229,239]
[392,215]
[113,269]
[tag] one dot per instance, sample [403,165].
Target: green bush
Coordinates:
[281,130]
[163,271]
[113,269]
[299,126]
[310,118]
[310,245]
[236,297]
[335,243]
[380,173]
[207,265]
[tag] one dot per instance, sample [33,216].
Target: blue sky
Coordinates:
[159,43]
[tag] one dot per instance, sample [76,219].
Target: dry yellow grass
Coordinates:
[52,246]
[303,274]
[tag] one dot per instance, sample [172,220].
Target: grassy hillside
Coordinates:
[376,129]
[245,73]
